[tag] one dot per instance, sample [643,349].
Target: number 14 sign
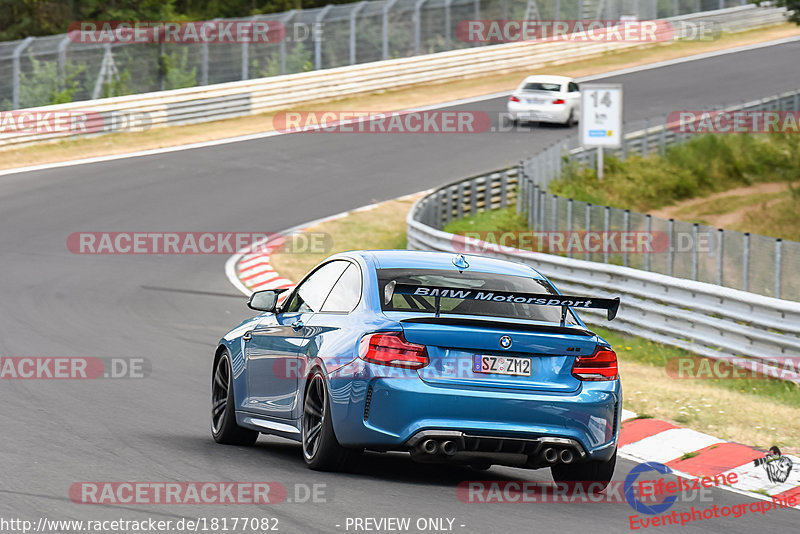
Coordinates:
[601,115]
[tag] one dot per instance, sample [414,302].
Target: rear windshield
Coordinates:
[538,86]
[469,280]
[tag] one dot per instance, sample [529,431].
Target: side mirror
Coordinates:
[264,301]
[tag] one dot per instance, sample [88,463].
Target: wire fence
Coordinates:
[62,68]
[759,264]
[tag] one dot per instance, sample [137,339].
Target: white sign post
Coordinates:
[601,118]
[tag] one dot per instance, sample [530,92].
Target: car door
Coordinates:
[333,333]
[273,365]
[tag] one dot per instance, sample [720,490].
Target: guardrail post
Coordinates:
[282,45]
[16,72]
[62,57]
[606,217]
[204,58]
[569,225]
[438,211]
[646,138]
[675,8]
[554,215]
[796,102]
[317,33]
[720,254]
[588,229]
[542,208]
[504,189]
[447,24]
[746,261]
[418,25]
[662,143]
[353,33]
[777,292]
[460,198]
[533,200]
[695,227]
[648,226]
[385,28]
[670,258]
[447,209]
[473,197]
[626,228]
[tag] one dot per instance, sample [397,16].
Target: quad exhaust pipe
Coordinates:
[430,446]
[449,448]
[550,455]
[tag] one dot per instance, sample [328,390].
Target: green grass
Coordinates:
[640,350]
[704,165]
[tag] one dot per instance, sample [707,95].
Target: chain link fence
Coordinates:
[755,263]
[57,69]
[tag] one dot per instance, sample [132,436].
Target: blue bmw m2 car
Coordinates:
[453,358]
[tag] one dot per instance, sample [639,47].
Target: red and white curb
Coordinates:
[689,453]
[693,454]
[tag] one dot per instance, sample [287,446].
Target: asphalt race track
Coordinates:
[171,310]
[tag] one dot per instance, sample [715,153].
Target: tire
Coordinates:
[321,449]
[571,119]
[223,414]
[591,471]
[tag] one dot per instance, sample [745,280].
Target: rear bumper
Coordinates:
[389,413]
[538,113]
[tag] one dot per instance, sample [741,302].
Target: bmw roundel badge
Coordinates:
[505,342]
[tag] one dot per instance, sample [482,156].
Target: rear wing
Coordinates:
[539,299]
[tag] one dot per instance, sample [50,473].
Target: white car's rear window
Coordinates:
[538,86]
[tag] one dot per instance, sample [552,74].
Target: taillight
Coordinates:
[559,101]
[513,99]
[393,350]
[602,365]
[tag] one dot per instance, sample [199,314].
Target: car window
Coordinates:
[485,282]
[537,86]
[573,87]
[309,296]
[346,293]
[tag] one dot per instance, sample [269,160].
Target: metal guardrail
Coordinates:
[709,320]
[242,98]
[738,260]
[34,69]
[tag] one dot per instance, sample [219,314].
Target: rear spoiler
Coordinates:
[539,299]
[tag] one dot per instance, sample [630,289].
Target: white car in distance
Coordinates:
[555,99]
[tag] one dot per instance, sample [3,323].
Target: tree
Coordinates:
[791,5]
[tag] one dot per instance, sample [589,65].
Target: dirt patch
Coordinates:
[726,209]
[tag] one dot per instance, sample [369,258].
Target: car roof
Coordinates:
[409,259]
[547,79]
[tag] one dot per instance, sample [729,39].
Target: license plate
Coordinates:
[501,365]
[535,101]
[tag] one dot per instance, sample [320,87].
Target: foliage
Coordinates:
[22,18]
[703,165]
